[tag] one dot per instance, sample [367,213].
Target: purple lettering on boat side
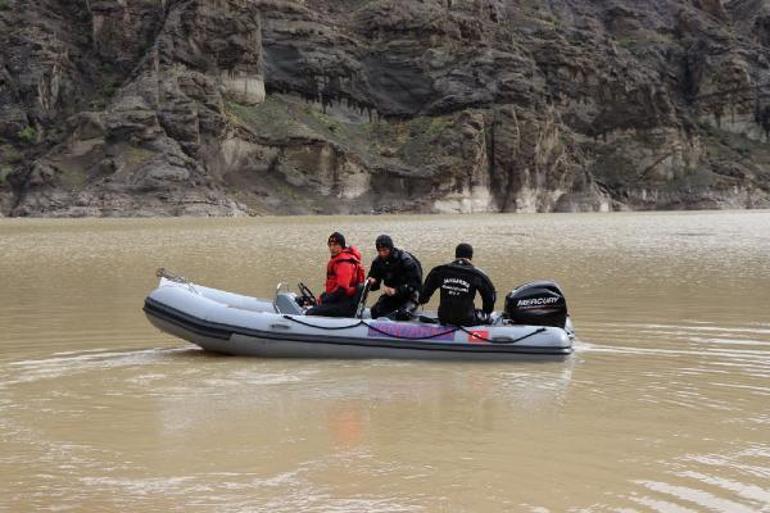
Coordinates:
[409,331]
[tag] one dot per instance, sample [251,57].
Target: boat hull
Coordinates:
[227,329]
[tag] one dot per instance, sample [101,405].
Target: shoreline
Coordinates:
[401,216]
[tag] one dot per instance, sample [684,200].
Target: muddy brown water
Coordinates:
[665,405]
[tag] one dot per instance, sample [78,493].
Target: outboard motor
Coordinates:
[538,303]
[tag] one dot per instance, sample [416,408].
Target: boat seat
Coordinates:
[286,303]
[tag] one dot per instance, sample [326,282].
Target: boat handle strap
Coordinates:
[472,334]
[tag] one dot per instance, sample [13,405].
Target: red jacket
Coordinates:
[345,271]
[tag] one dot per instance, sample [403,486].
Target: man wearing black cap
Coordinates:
[400,275]
[344,274]
[459,281]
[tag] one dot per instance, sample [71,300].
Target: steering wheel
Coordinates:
[307,295]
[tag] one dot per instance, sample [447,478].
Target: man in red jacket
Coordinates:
[344,275]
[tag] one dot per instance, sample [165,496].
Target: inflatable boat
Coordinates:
[234,324]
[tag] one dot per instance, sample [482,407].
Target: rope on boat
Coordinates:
[177,278]
[455,329]
[435,335]
[493,341]
[163,273]
[327,328]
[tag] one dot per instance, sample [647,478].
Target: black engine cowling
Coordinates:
[538,303]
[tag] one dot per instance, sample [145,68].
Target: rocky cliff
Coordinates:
[230,107]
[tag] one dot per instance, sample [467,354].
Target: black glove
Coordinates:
[403,315]
[304,301]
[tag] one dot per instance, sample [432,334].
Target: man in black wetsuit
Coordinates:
[400,275]
[459,281]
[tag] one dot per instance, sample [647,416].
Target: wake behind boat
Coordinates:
[234,324]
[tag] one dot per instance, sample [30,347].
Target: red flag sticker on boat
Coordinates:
[478,336]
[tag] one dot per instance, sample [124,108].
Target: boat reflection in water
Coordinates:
[360,402]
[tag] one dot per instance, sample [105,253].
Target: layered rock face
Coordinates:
[237,107]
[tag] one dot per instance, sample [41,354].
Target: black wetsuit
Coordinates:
[402,272]
[459,281]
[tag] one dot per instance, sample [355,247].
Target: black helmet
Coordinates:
[337,238]
[384,241]
[464,250]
